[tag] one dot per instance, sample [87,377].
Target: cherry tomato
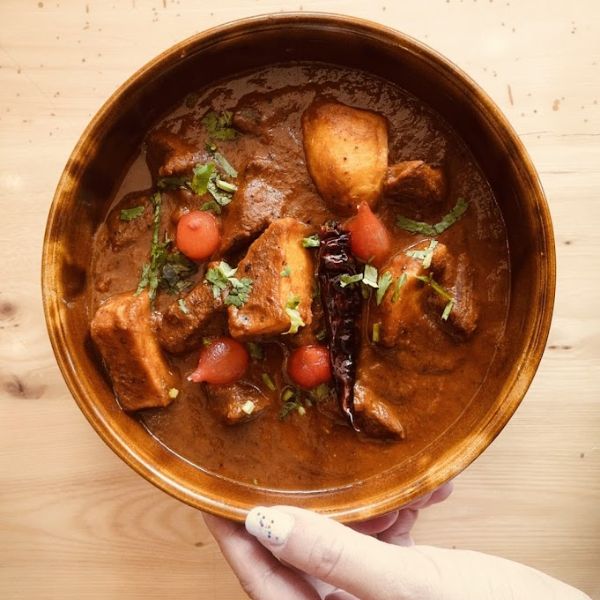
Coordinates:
[369,239]
[309,366]
[198,234]
[223,361]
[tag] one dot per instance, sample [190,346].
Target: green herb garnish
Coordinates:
[268,381]
[383,284]
[398,286]
[201,178]
[227,167]
[219,126]
[172,183]
[312,241]
[286,271]
[426,255]
[370,276]
[321,335]
[183,307]
[255,350]
[321,392]
[150,276]
[447,310]
[376,332]
[440,291]
[291,309]
[173,393]
[211,206]
[346,279]
[222,278]
[433,230]
[129,214]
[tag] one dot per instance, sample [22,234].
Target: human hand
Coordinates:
[283,545]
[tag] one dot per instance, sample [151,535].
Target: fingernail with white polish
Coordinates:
[269,525]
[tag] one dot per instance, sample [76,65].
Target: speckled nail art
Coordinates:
[269,525]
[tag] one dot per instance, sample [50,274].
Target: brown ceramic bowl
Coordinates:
[113,137]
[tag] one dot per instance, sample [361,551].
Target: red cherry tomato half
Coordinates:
[198,234]
[369,239]
[309,366]
[223,361]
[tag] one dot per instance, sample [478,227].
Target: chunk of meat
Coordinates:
[455,275]
[248,120]
[346,153]
[282,271]
[256,205]
[416,181]
[180,331]
[123,232]
[238,402]
[401,307]
[168,154]
[122,331]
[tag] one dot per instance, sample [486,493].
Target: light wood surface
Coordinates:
[75,522]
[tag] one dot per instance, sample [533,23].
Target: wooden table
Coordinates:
[75,522]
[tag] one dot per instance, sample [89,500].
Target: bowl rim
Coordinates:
[453,463]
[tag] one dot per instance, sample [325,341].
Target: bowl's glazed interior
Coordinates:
[101,157]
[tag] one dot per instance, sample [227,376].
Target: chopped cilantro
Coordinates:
[172,183]
[211,206]
[437,288]
[286,271]
[222,197]
[287,394]
[219,125]
[447,310]
[227,167]
[383,284]
[321,335]
[248,407]
[312,241]
[346,279]
[376,332]
[370,276]
[183,307]
[432,230]
[291,309]
[201,178]
[255,350]
[426,255]
[222,278]
[398,286]
[320,392]
[268,381]
[206,341]
[165,269]
[129,214]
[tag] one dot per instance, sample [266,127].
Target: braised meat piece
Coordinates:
[122,331]
[129,219]
[282,273]
[256,205]
[455,275]
[346,153]
[416,181]
[183,323]
[168,154]
[238,402]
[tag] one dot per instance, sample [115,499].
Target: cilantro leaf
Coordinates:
[222,278]
[312,241]
[268,381]
[129,214]
[227,167]
[293,313]
[183,307]
[370,276]
[201,178]
[172,183]
[346,279]
[219,126]
[383,284]
[432,230]
[398,286]
[425,256]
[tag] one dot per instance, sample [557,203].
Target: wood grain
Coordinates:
[75,522]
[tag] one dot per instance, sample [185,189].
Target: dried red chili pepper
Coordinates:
[342,307]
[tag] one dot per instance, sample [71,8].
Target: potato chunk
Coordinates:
[282,271]
[346,153]
[122,331]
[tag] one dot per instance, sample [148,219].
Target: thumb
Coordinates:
[338,555]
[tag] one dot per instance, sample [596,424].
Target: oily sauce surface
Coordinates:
[430,379]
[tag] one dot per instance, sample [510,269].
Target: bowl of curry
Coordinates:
[302,259]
